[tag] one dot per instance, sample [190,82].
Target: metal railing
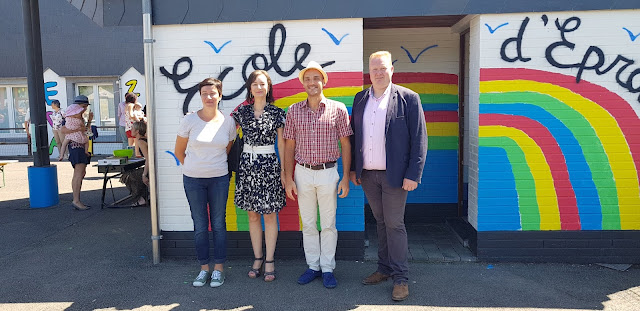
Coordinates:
[17,136]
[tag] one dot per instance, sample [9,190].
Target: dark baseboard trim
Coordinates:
[180,244]
[559,246]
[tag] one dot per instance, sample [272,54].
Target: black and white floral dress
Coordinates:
[258,186]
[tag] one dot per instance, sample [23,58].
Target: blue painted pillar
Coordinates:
[43,186]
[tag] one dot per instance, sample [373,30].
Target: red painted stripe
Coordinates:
[619,108]
[336,79]
[420,77]
[567,203]
[441,116]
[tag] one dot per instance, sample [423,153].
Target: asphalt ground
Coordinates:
[58,258]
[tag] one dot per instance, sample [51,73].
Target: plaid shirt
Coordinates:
[317,133]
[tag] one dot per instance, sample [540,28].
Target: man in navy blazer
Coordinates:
[388,151]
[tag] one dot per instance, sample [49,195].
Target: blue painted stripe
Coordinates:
[498,188]
[439,179]
[440,107]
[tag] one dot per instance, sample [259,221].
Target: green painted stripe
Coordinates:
[438,98]
[242,220]
[424,98]
[443,143]
[593,151]
[525,184]
[346,100]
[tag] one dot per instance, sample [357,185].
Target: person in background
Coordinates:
[26,124]
[74,121]
[137,180]
[260,178]
[78,156]
[202,145]
[389,152]
[138,116]
[312,131]
[130,101]
[56,123]
[122,121]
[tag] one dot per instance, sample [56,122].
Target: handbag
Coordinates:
[233,158]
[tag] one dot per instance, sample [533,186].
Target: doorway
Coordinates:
[431,58]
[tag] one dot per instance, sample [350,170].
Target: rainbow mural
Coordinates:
[555,154]
[439,95]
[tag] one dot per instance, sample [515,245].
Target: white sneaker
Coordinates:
[217,278]
[201,279]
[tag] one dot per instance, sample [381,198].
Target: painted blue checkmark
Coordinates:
[414,60]
[335,40]
[174,156]
[631,35]
[494,29]
[217,50]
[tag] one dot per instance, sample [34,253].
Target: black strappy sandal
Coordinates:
[255,273]
[272,273]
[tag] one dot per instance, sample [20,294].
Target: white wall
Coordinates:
[244,40]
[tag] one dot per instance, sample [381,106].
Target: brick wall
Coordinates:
[558,122]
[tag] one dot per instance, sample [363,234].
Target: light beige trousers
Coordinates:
[317,194]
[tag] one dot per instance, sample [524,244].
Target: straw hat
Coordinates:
[316,66]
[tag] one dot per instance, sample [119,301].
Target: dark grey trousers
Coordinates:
[387,204]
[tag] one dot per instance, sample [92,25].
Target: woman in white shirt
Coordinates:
[204,140]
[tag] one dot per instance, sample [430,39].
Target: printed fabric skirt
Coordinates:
[258,186]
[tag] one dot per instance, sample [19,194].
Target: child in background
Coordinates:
[74,121]
[138,116]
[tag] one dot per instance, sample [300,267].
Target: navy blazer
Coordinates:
[406,135]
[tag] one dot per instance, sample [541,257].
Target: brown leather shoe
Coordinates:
[375,278]
[400,292]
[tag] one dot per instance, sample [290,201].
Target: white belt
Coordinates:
[253,151]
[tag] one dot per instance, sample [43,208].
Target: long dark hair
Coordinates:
[252,78]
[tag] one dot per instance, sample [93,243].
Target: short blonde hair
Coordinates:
[384,55]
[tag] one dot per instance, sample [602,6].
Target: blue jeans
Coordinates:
[123,137]
[212,192]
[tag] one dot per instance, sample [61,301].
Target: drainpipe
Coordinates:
[151,112]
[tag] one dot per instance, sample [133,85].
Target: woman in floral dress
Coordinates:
[260,179]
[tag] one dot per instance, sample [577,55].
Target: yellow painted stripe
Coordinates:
[432,88]
[232,217]
[607,130]
[545,188]
[442,128]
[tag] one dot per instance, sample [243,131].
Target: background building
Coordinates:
[80,57]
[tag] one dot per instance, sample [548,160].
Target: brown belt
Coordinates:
[320,166]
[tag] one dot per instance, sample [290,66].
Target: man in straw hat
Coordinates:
[312,131]
[389,150]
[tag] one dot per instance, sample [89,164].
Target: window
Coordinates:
[20,106]
[102,103]
[4,110]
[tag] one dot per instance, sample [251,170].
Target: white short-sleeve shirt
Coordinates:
[206,154]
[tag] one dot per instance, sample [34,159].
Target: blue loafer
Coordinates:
[309,276]
[328,280]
